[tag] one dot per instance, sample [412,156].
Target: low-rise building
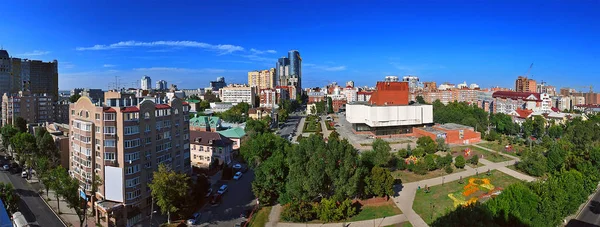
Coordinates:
[363,96]
[235,134]
[316,97]
[259,113]
[236,94]
[209,147]
[506,101]
[205,123]
[451,133]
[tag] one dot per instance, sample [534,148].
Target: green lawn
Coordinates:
[374,212]
[501,147]
[407,176]
[390,142]
[403,224]
[487,155]
[312,126]
[260,218]
[437,203]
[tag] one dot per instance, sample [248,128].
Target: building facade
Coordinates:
[509,101]
[34,108]
[237,94]
[95,95]
[34,76]
[288,70]
[122,143]
[262,79]
[161,85]
[210,147]
[524,84]
[146,83]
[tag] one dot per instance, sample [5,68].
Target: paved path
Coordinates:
[500,153]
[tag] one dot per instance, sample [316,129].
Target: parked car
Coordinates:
[241,224]
[222,189]
[6,167]
[237,176]
[191,221]
[237,166]
[24,174]
[209,192]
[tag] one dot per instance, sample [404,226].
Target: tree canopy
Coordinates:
[168,188]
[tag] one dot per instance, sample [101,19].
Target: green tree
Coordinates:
[24,144]
[211,97]
[57,180]
[331,210]
[47,147]
[556,158]
[194,97]
[204,105]
[533,163]
[259,148]
[270,177]
[380,182]
[74,98]
[298,211]
[255,127]
[474,160]
[459,162]
[167,188]
[420,99]
[402,153]
[70,191]
[21,124]
[329,105]
[527,128]
[441,144]
[382,152]
[44,171]
[427,144]
[9,197]
[430,162]
[419,168]
[8,131]
[555,131]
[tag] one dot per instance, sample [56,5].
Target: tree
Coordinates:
[329,105]
[57,180]
[210,97]
[459,162]
[24,144]
[21,124]
[533,163]
[8,131]
[70,191]
[43,169]
[259,148]
[427,144]
[420,99]
[255,127]
[430,162]
[380,182]
[47,147]
[321,107]
[420,168]
[9,197]
[474,160]
[382,152]
[270,178]
[441,144]
[204,104]
[167,188]
[298,211]
[555,131]
[74,98]
[331,210]
[194,97]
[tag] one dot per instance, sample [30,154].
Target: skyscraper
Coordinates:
[161,85]
[262,79]
[282,70]
[34,76]
[289,70]
[5,72]
[146,83]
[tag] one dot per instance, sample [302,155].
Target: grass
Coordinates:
[260,218]
[424,202]
[403,224]
[500,147]
[312,126]
[374,212]
[487,155]
[475,166]
[392,142]
[407,176]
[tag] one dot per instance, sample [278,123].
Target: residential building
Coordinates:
[191,92]
[122,142]
[205,123]
[270,98]
[413,82]
[391,79]
[146,83]
[34,108]
[218,107]
[338,102]
[445,96]
[590,98]
[507,101]
[5,73]
[262,79]
[282,71]
[446,86]
[316,97]
[524,84]
[351,94]
[217,84]
[237,94]
[259,113]
[363,96]
[453,134]
[34,76]
[60,135]
[289,92]
[429,86]
[95,94]
[210,147]
[161,85]
[61,110]
[388,113]
[485,100]
[235,134]
[350,83]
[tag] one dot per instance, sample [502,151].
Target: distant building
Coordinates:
[95,95]
[259,113]
[350,83]
[217,84]
[363,96]
[262,79]
[351,94]
[34,108]
[316,97]
[209,147]
[146,83]
[507,101]
[205,123]
[453,134]
[338,103]
[237,94]
[391,79]
[191,92]
[429,86]
[288,71]
[161,85]
[413,82]
[523,84]
[218,107]
[33,76]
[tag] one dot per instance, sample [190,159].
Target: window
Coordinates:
[167,123]
[85,139]
[130,130]
[167,135]
[86,127]
[109,130]
[97,116]
[148,165]
[73,112]
[132,182]
[133,169]
[132,156]
[148,140]
[133,195]
[132,143]
[109,117]
[147,128]
[97,129]
[109,143]
[146,115]
[109,156]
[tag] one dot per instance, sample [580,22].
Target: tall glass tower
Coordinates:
[295,73]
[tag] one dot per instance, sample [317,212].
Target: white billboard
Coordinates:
[113,183]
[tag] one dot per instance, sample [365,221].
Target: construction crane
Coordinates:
[590,87]
[528,70]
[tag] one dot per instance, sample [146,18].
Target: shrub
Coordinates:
[430,162]
[401,165]
[459,162]
[330,210]
[420,168]
[403,153]
[298,212]
[474,160]
[449,169]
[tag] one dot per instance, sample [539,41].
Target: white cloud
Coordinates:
[325,67]
[66,65]
[255,51]
[35,53]
[108,66]
[222,48]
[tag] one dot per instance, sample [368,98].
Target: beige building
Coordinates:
[262,79]
[238,93]
[34,108]
[122,142]
[34,76]
[208,147]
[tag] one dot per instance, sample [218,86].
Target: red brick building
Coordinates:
[452,133]
[338,103]
[390,93]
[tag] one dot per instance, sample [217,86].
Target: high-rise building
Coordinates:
[413,82]
[33,76]
[282,71]
[217,84]
[288,70]
[34,108]
[262,79]
[5,72]
[95,94]
[161,85]
[122,143]
[524,84]
[146,83]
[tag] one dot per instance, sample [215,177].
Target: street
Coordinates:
[32,206]
[590,215]
[289,127]
[238,198]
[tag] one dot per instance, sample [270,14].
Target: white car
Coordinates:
[222,189]
[237,176]
[6,167]
[24,174]
[237,166]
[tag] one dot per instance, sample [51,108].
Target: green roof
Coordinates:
[233,132]
[193,100]
[200,121]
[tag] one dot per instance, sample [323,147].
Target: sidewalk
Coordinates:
[66,215]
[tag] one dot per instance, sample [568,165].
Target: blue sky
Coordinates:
[192,42]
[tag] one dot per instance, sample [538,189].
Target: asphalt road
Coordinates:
[238,198]
[31,206]
[590,215]
[289,126]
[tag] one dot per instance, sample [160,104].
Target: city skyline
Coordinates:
[490,46]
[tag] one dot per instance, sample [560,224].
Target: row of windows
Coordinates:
[109,155]
[132,143]
[202,158]
[133,195]
[110,143]
[132,182]
[130,130]
[163,158]
[132,156]
[133,169]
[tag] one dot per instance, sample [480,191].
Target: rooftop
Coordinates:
[235,132]
[454,126]
[209,139]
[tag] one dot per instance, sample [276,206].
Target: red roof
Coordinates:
[162,106]
[131,109]
[515,95]
[523,113]
[185,103]
[555,109]
[364,92]
[588,105]
[109,110]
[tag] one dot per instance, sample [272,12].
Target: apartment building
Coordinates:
[34,108]
[351,94]
[270,98]
[524,84]
[236,94]
[210,147]
[34,76]
[316,97]
[94,94]
[509,101]
[122,143]
[262,79]
[363,96]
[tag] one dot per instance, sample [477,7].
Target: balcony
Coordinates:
[112,163]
